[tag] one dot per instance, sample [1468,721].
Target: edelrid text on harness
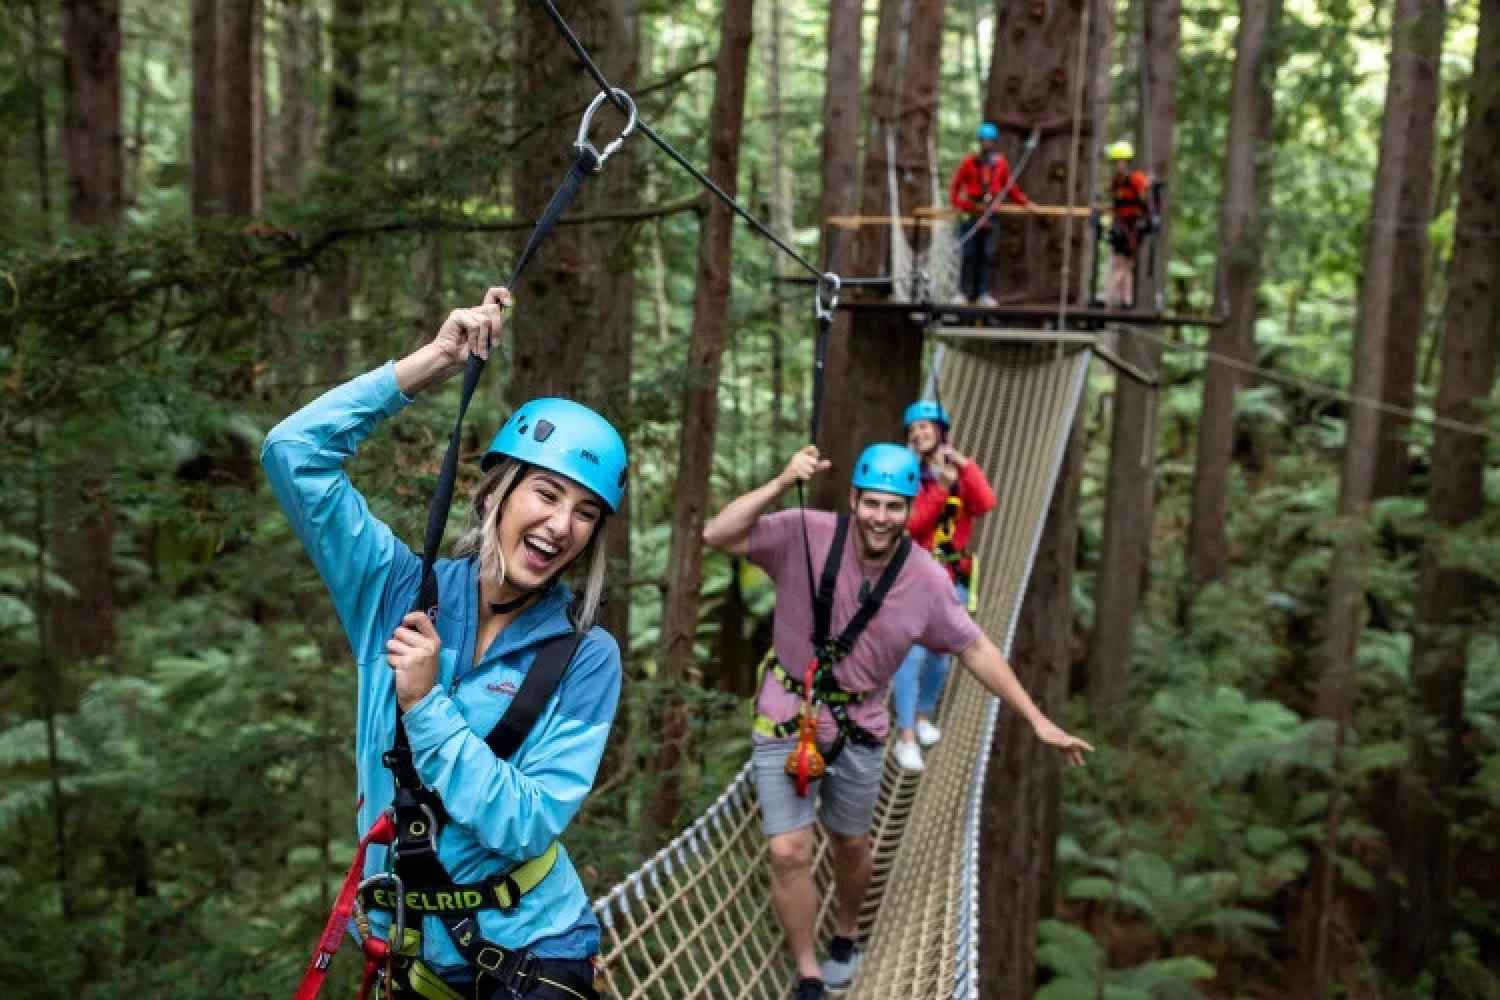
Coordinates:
[818,687]
[417,885]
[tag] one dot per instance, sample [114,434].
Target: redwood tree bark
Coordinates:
[700,412]
[559,307]
[1356,486]
[882,364]
[237,68]
[1448,599]
[205,30]
[840,165]
[92,138]
[617,293]
[1241,230]
[868,255]
[82,524]
[1419,33]
[1129,513]
[1022,787]
[296,117]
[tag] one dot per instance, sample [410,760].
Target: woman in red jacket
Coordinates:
[981,180]
[954,492]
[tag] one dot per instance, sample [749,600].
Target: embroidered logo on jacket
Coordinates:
[504,687]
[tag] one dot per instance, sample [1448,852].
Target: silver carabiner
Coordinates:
[830,283]
[583,143]
[395,937]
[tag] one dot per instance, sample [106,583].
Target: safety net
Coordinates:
[696,920]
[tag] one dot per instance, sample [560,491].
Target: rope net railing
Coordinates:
[696,920]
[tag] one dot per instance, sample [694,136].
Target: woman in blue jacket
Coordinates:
[553,475]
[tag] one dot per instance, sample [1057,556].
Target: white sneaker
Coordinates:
[959,300]
[908,757]
[986,302]
[927,733]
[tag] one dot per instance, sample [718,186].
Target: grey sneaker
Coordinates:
[842,963]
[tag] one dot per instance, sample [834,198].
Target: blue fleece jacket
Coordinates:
[502,813]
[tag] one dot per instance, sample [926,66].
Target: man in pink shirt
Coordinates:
[883,595]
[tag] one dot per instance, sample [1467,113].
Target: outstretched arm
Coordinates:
[986,662]
[729,531]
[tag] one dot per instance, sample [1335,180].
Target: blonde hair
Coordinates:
[483,540]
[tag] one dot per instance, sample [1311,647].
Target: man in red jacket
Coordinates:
[981,183]
[953,493]
[1134,216]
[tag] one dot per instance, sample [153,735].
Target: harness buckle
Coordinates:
[513,892]
[524,974]
[620,98]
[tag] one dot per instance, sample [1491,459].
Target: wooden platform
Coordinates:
[1028,315]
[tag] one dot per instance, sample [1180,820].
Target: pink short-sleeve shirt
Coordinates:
[920,609]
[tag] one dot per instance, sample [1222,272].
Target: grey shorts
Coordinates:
[847,792]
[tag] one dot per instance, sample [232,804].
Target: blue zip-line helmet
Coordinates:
[888,468]
[569,439]
[988,132]
[926,409]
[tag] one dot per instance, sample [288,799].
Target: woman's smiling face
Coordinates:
[547,522]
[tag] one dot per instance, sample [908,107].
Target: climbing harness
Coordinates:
[818,687]
[417,883]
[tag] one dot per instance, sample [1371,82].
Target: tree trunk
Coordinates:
[237,68]
[83,625]
[335,293]
[1129,513]
[1241,233]
[1346,574]
[616,332]
[559,305]
[1448,601]
[206,183]
[1022,787]
[296,116]
[870,256]
[41,56]
[92,120]
[1029,252]
[700,412]
[1420,31]
[840,164]
[881,369]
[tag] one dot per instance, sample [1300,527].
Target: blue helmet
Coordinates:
[888,468]
[926,409]
[988,132]
[567,438]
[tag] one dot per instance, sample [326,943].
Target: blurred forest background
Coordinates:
[1279,628]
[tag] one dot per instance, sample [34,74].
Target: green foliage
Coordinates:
[1078,964]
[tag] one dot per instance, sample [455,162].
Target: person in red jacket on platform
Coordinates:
[953,493]
[981,180]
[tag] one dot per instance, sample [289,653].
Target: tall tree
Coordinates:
[1449,595]
[82,521]
[870,252]
[296,117]
[560,303]
[1129,512]
[205,113]
[1417,43]
[1023,786]
[700,411]
[618,284]
[1356,485]
[93,148]
[238,119]
[336,284]
[1346,574]
[1241,237]
[839,190]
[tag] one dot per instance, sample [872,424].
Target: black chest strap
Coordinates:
[831,650]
